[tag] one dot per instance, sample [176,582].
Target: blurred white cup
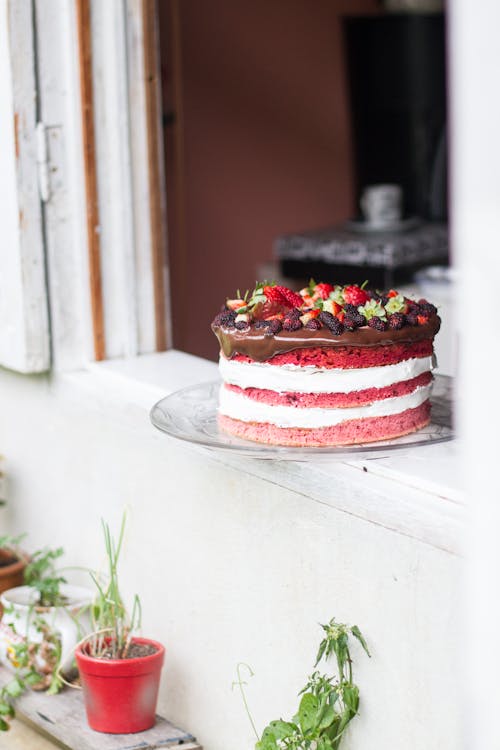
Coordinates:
[382,204]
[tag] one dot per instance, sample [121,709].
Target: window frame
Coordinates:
[24,318]
[93,135]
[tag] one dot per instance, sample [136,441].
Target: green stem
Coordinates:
[240,684]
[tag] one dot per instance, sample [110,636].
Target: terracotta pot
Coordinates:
[10,575]
[121,694]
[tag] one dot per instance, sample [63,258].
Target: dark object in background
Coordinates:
[396,67]
[342,256]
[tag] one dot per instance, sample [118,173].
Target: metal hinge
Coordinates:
[42,161]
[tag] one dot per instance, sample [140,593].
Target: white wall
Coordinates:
[475,200]
[233,568]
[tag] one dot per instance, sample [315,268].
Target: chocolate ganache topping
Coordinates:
[261,346]
[275,320]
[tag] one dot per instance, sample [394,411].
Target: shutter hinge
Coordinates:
[42,161]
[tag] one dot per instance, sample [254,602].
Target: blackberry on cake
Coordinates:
[329,365]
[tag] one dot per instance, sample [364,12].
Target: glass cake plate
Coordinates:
[191,415]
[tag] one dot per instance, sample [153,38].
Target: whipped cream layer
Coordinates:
[241,407]
[310,379]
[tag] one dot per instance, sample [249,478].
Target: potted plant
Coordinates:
[12,563]
[119,672]
[41,623]
[327,705]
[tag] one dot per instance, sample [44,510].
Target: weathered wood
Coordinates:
[61,718]
[155,162]
[24,324]
[90,168]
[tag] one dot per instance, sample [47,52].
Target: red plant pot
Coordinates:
[121,694]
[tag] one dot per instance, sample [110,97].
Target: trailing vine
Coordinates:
[328,703]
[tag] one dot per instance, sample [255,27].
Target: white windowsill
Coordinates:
[415,493]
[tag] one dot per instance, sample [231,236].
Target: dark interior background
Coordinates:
[259,139]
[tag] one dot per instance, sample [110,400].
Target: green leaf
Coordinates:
[268,741]
[4,726]
[308,711]
[351,697]
[324,743]
[357,634]
[311,286]
[14,688]
[281,729]
[6,709]
[325,717]
[33,678]
[344,721]
[321,651]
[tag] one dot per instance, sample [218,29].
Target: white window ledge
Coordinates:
[416,492]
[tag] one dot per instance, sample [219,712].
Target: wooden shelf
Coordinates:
[61,719]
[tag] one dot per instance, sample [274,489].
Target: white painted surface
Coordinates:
[121,136]
[146,324]
[65,219]
[112,128]
[475,117]
[123,177]
[239,559]
[24,334]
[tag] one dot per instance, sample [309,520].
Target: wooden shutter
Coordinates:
[24,326]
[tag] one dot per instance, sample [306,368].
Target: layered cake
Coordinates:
[329,365]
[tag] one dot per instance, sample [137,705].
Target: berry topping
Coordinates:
[336,327]
[377,323]
[396,321]
[273,294]
[224,318]
[236,304]
[412,318]
[313,324]
[354,295]
[292,299]
[331,306]
[427,308]
[331,322]
[292,324]
[271,308]
[325,317]
[275,326]
[323,290]
[354,319]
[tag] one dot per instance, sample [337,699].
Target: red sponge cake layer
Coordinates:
[347,433]
[333,400]
[349,356]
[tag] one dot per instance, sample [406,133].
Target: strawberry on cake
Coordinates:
[330,365]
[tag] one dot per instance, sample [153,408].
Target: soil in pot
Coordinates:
[135,651]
